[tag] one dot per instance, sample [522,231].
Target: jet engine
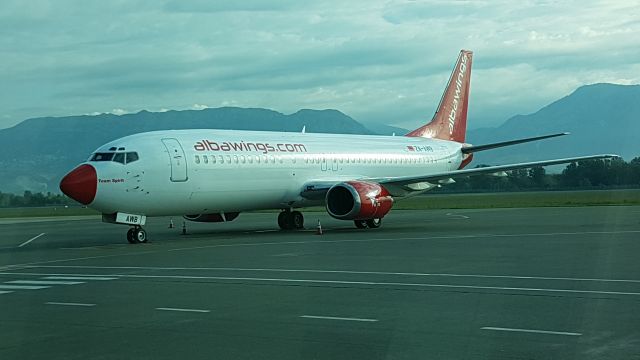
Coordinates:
[358,200]
[215,217]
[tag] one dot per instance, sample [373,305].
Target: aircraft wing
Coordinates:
[408,180]
[404,185]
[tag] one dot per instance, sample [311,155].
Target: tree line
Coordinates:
[30,199]
[591,174]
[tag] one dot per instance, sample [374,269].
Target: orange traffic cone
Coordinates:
[319,229]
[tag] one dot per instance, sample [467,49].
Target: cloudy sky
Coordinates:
[378,61]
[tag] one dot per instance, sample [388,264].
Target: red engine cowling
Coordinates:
[216,217]
[358,200]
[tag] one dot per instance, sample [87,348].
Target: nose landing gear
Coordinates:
[136,235]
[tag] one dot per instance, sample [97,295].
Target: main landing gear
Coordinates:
[291,220]
[370,223]
[136,235]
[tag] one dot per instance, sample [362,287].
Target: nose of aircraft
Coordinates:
[80,184]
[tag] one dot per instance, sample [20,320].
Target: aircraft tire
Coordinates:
[360,224]
[139,236]
[284,221]
[374,223]
[296,220]
[130,238]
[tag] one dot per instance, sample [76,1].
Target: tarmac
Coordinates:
[539,283]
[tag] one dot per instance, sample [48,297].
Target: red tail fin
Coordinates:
[450,119]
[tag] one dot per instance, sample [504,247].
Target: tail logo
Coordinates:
[456,98]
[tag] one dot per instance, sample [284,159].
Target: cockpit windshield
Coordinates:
[119,157]
[102,157]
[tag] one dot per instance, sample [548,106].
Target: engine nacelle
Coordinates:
[358,200]
[216,217]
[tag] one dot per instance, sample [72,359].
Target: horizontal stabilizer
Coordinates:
[472,149]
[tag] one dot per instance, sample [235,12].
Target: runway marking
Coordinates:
[444,237]
[183,310]
[5,292]
[43,282]
[354,272]
[457,215]
[22,287]
[350,282]
[30,240]
[531,331]
[88,278]
[69,304]
[337,318]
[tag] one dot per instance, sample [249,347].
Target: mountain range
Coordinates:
[603,118]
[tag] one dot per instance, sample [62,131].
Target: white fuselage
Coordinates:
[211,171]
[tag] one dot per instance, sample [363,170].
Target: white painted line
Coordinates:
[69,304]
[531,331]
[43,282]
[280,243]
[366,283]
[5,292]
[337,318]
[21,287]
[87,278]
[320,271]
[183,310]
[457,215]
[30,240]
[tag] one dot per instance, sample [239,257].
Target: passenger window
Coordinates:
[250,159]
[119,157]
[221,159]
[242,159]
[131,157]
[213,159]
[205,159]
[229,159]
[197,159]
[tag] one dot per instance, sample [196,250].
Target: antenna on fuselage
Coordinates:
[304,129]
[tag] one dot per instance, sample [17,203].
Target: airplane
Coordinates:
[211,175]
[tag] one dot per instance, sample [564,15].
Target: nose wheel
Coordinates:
[136,235]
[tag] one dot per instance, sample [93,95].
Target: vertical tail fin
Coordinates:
[450,119]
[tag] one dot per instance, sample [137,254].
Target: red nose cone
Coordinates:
[80,184]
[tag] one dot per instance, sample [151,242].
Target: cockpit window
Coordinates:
[102,157]
[131,157]
[119,157]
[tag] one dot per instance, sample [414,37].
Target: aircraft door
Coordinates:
[178,161]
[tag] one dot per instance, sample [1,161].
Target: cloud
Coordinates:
[199,107]
[384,61]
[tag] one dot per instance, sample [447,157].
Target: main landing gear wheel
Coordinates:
[369,223]
[290,220]
[136,235]
[374,223]
[360,224]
